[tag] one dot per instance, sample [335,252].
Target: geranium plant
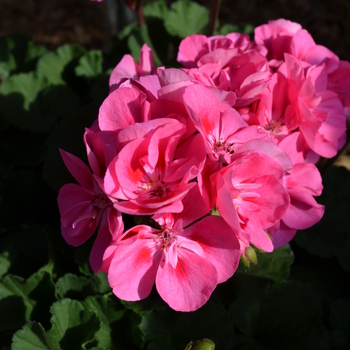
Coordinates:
[191,176]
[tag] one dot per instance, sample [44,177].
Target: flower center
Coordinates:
[166,238]
[99,202]
[155,188]
[221,146]
[273,126]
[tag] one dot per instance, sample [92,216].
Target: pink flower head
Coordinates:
[123,107]
[185,258]
[145,173]
[83,207]
[193,47]
[282,36]
[302,183]
[227,63]
[128,68]
[297,100]
[250,195]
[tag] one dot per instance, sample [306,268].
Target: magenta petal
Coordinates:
[78,169]
[123,107]
[224,203]
[281,234]
[133,268]
[146,60]
[101,149]
[259,238]
[191,49]
[269,148]
[219,243]
[190,284]
[194,206]
[303,211]
[100,245]
[203,108]
[126,68]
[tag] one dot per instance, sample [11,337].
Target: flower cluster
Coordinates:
[209,159]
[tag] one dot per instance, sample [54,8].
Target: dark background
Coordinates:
[54,22]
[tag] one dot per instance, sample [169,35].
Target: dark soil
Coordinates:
[54,22]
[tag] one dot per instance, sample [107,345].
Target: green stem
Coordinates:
[139,13]
[214,16]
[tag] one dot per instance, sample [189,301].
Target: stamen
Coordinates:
[90,215]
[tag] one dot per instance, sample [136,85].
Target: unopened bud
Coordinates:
[245,261]
[204,344]
[251,255]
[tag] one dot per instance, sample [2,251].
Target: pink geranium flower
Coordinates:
[228,63]
[250,195]
[297,100]
[83,207]
[302,183]
[128,68]
[283,36]
[186,258]
[145,174]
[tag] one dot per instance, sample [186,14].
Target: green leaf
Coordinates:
[90,64]
[280,316]
[32,55]
[274,266]
[30,299]
[74,287]
[72,326]
[168,329]
[28,102]
[230,28]
[18,104]
[109,310]
[100,283]
[7,59]
[339,320]
[186,18]
[31,337]
[155,9]
[53,64]
[18,54]
[153,301]
[4,263]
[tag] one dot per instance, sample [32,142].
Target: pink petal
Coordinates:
[126,68]
[203,108]
[146,60]
[303,211]
[191,49]
[219,243]
[78,169]
[133,268]
[281,234]
[100,245]
[190,284]
[123,107]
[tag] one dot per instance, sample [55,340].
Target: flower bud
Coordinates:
[204,344]
[251,255]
